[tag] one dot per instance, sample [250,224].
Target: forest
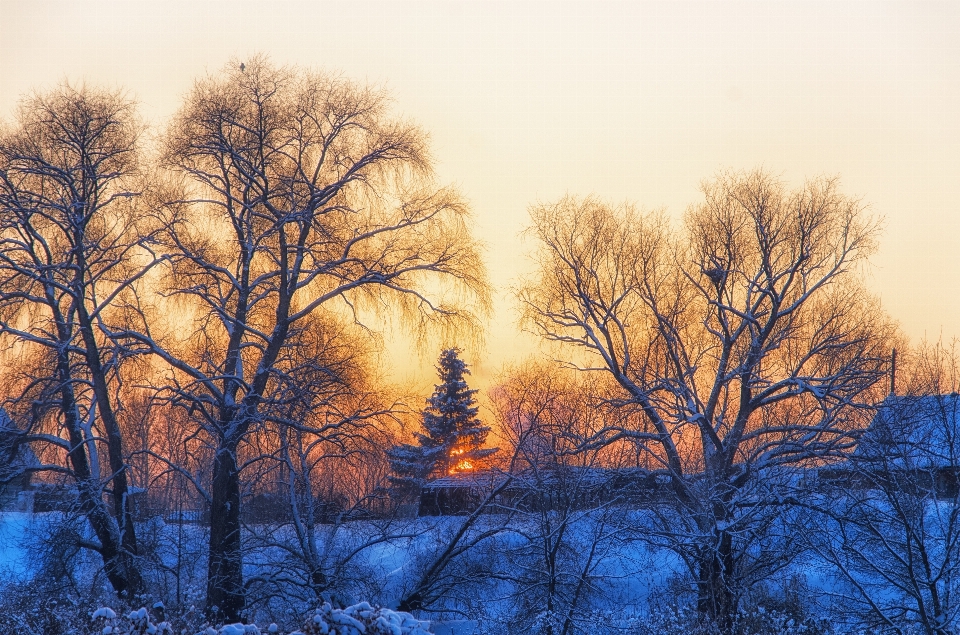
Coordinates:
[723,432]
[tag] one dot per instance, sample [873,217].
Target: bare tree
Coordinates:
[453,566]
[72,247]
[567,493]
[301,197]
[314,468]
[889,518]
[739,344]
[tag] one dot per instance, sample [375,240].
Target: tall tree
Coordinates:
[72,246]
[453,435]
[301,198]
[740,344]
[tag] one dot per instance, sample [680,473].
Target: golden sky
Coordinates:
[526,101]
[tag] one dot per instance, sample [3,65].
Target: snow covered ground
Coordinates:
[15,528]
[631,572]
[630,582]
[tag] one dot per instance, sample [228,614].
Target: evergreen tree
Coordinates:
[452,434]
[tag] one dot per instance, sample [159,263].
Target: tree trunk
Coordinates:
[105,528]
[225,594]
[716,600]
[89,492]
[411,603]
[95,510]
[121,500]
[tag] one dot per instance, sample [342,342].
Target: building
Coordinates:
[17,465]
[543,488]
[912,444]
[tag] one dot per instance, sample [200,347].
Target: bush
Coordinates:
[360,619]
[363,619]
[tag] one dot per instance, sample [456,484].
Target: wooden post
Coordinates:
[893,372]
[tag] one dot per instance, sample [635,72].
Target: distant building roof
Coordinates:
[913,432]
[580,476]
[481,479]
[15,455]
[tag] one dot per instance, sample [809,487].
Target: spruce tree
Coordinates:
[452,433]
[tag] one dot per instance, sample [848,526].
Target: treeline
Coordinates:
[193,317]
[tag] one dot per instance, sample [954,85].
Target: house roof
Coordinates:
[913,432]
[15,456]
[580,476]
[482,479]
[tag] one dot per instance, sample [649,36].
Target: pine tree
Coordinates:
[452,437]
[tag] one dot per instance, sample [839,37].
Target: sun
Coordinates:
[464,465]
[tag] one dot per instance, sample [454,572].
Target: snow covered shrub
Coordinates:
[755,621]
[672,619]
[156,621]
[25,613]
[762,621]
[136,622]
[360,619]
[786,599]
[47,607]
[363,619]
[684,620]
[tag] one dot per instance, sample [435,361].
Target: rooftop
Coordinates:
[914,432]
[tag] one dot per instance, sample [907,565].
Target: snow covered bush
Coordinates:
[137,622]
[685,620]
[362,619]
[359,619]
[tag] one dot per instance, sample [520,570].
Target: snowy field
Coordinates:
[15,527]
[631,587]
[629,582]
[381,572]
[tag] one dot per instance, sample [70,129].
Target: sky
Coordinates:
[527,101]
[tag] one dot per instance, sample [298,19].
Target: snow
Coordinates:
[16,528]
[632,576]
